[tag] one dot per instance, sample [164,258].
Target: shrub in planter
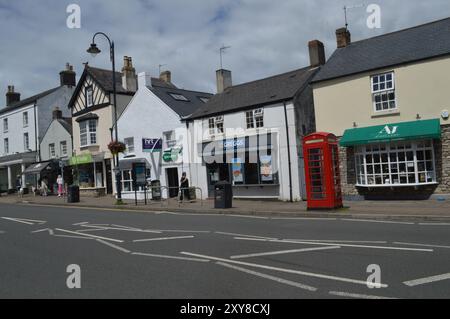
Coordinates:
[116,147]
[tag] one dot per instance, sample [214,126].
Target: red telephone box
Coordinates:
[323,181]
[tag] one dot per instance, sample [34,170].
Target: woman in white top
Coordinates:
[60,182]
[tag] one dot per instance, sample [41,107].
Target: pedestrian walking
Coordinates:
[60,183]
[184,187]
[44,187]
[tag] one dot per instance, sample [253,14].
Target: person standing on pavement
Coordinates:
[184,186]
[60,183]
[44,187]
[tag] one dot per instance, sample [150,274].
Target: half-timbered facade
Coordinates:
[92,121]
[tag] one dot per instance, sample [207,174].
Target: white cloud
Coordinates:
[266,37]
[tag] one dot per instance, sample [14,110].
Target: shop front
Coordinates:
[128,188]
[249,163]
[90,173]
[392,161]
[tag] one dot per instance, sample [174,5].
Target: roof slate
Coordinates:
[269,90]
[27,101]
[404,46]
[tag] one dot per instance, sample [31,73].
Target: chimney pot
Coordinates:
[12,96]
[57,113]
[68,76]
[166,76]
[316,53]
[224,80]
[129,78]
[343,37]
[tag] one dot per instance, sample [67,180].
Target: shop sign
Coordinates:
[172,154]
[234,143]
[150,145]
[236,164]
[81,159]
[266,168]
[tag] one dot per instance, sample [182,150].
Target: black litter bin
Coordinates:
[156,189]
[73,194]
[223,195]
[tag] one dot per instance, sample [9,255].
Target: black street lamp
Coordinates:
[94,50]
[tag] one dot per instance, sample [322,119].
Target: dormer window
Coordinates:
[179,97]
[89,96]
[383,92]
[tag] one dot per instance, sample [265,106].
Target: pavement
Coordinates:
[431,210]
[166,254]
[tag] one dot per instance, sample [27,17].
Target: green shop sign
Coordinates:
[172,154]
[81,159]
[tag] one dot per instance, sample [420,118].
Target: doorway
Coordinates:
[109,186]
[172,181]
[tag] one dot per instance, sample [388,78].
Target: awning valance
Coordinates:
[37,168]
[421,129]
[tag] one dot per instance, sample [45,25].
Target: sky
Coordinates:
[266,37]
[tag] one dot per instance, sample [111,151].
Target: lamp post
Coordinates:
[94,50]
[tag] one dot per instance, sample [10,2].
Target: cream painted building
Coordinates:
[387,98]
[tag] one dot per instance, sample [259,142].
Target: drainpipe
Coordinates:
[289,152]
[36,137]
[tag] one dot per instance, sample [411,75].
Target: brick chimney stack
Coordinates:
[166,76]
[68,76]
[343,37]
[57,114]
[11,96]
[224,81]
[316,53]
[129,78]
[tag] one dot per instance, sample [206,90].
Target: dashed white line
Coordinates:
[162,238]
[18,220]
[334,244]
[122,229]
[341,241]
[113,246]
[377,221]
[235,234]
[291,271]
[359,296]
[50,231]
[421,245]
[183,231]
[426,280]
[88,235]
[69,236]
[172,257]
[277,279]
[281,252]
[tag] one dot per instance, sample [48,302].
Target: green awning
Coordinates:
[421,129]
[81,159]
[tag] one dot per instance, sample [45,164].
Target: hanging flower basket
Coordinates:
[116,147]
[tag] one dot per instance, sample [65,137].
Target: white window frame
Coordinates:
[26,141]
[218,120]
[129,142]
[5,125]
[52,150]
[254,118]
[169,139]
[63,148]
[211,126]
[394,172]
[380,92]
[25,119]
[91,134]
[89,96]
[6,146]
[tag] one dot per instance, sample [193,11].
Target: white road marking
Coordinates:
[122,229]
[50,231]
[88,230]
[377,221]
[88,235]
[248,216]
[421,245]
[24,221]
[162,238]
[281,252]
[434,224]
[291,271]
[234,234]
[301,218]
[426,280]
[76,237]
[277,279]
[334,244]
[342,241]
[82,223]
[359,296]
[171,257]
[113,246]
[183,231]
[123,226]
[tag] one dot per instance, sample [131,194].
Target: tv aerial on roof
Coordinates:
[346,8]
[221,52]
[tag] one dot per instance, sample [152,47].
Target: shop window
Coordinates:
[383,92]
[88,133]
[402,163]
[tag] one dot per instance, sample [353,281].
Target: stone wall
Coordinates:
[442,153]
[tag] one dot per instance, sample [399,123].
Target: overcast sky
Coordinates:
[267,37]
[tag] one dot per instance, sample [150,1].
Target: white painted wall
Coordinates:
[56,134]
[274,119]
